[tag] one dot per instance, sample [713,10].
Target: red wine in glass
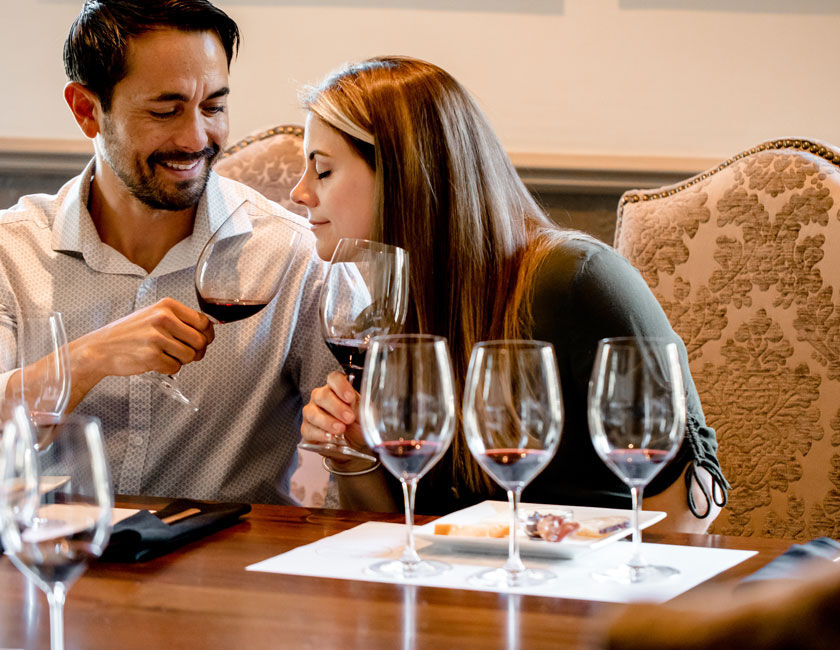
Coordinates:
[365,294]
[514,467]
[227,310]
[239,271]
[637,464]
[350,353]
[512,420]
[407,414]
[52,535]
[407,457]
[636,414]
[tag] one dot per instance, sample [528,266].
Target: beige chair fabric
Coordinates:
[270,161]
[745,260]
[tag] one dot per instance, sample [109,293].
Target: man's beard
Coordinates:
[139,175]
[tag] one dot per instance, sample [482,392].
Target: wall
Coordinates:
[652,84]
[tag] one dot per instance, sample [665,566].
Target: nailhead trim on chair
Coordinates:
[290,129]
[826,153]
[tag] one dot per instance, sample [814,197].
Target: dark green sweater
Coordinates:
[584,291]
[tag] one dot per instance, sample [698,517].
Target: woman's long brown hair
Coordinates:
[447,192]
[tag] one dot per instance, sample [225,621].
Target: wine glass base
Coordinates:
[408,570]
[501,578]
[629,575]
[336,451]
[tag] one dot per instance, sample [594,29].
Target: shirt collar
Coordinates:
[74,231]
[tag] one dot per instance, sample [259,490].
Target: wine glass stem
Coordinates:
[409,555]
[636,559]
[338,438]
[55,597]
[514,564]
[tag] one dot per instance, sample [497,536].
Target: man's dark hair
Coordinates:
[96,47]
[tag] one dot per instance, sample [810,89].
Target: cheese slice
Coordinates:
[482,529]
[601,526]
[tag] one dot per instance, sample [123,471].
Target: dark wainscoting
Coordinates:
[585,199]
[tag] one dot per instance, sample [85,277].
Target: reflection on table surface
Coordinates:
[200,596]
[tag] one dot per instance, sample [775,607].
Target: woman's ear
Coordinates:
[84,104]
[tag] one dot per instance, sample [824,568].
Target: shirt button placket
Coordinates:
[139,412]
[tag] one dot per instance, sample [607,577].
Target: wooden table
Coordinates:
[201,597]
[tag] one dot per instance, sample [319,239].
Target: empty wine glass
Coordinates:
[365,294]
[513,415]
[43,357]
[636,419]
[51,535]
[239,271]
[407,414]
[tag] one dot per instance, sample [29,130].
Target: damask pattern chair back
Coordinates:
[745,260]
[270,161]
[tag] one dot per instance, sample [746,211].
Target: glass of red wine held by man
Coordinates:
[240,270]
[365,294]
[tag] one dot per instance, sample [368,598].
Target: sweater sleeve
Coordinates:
[586,291]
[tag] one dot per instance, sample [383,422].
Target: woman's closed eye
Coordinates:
[322,175]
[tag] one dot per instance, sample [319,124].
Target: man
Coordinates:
[115,251]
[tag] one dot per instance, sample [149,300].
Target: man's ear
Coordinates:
[85,104]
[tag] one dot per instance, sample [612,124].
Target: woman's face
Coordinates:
[337,188]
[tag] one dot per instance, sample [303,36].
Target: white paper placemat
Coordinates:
[347,554]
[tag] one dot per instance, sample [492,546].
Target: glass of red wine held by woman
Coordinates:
[365,294]
[240,269]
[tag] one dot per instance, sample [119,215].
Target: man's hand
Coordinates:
[159,338]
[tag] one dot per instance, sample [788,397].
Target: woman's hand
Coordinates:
[332,411]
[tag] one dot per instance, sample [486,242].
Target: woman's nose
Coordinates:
[301,195]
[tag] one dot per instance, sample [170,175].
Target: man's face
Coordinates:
[168,119]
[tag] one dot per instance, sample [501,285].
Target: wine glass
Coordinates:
[407,414]
[51,536]
[43,358]
[513,415]
[240,269]
[636,419]
[365,294]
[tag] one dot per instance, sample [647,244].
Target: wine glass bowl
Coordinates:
[513,417]
[365,294]
[636,414]
[52,535]
[238,272]
[242,266]
[43,357]
[407,415]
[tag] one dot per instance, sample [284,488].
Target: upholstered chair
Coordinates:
[745,260]
[270,161]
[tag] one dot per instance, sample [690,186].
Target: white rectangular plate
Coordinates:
[498,511]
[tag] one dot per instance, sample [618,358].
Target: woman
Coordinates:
[397,151]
